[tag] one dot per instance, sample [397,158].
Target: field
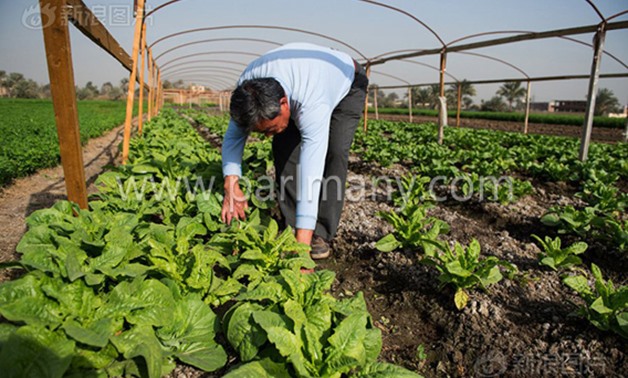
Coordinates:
[150,276]
[29,136]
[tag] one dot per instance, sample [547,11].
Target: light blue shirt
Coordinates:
[315,80]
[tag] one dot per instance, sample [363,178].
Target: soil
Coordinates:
[519,328]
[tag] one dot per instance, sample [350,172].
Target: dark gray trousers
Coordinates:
[286,150]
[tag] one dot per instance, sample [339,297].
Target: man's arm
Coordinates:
[234,203]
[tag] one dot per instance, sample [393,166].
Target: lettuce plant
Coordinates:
[606,307]
[556,257]
[463,268]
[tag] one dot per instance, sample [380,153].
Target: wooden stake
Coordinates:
[139,20]
[366,100]
[375,103]
[410,102]
[140,115]
[151,84]
[527,116]
[598,49]
[459,105]
[61,72]
[442,119]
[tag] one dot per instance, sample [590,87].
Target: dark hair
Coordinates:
[255,100]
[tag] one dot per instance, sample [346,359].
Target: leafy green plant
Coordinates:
[556,257]
[463,268]
[606,307]
[413,229]
[288,326]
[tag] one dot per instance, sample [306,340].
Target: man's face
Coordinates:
[270,127]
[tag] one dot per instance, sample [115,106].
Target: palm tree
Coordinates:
[495,104]
[606,102]
[512,91]
[467,91]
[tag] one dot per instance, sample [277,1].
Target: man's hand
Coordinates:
[234,204]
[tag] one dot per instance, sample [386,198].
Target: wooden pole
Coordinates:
[442,118]
[459,105]
[410,102]
[151,83]
[528,91]
[159,89]
[375,103]
[140,113]
[61,72]
[139,20]
[366,100]
[598,46]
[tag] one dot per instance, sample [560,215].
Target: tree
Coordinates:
[425,97]
[390,100]
[512,91]
[124,84]
[495,104]
[106,88]
[467,91]
[25,89]
[606,102]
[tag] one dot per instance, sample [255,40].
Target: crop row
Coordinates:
[149,276]
[29,137]
[550,119]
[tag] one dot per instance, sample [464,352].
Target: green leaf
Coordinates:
[191,335]
[140,341]
[265,368]
[599,307]
[347,349]
[290,346]
[456,268]
[97,334]
[579,284]
[461,298]
[244,335]
[577,248]
[385,370]
[388,243]
[36,352]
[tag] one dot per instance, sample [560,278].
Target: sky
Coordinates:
[366,30]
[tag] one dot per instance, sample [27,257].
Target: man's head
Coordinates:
[260,105]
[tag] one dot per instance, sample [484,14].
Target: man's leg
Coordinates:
[286,150]
[344,122]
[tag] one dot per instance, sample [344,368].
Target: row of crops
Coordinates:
[29,138]
[460,164]
[550,119]
[149,276]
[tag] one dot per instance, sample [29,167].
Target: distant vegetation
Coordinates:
[29,138]
[510,97]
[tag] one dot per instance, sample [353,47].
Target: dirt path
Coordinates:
[44,188]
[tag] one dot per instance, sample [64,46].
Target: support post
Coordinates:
[375,103]
[527,117]
[366,100]
[410,102]
[151,84]
[159,91]
[61,72]
[598,49]
[459,104]
[140,112]
[442,118]
[139,21]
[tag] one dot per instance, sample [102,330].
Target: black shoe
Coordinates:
[320,248]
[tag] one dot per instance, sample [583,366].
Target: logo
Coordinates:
[491,364]
[32,18]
